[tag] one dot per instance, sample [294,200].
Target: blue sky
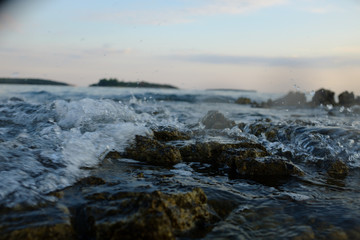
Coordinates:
[266,45]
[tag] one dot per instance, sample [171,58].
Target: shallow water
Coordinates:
[50,137]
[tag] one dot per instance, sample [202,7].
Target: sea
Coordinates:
[53,136]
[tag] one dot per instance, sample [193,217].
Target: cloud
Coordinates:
[326,61]
[234,6]
[184,13]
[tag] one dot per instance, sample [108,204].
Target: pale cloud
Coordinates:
[321,9]
[184,14]
[314,62]
[234,6]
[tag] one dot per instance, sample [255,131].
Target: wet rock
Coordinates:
[170,135]
[154,215]
[200,152]
[212,152]
[294,99]
[324,97]
[113,155]
[92,181]
[216,120]
[61,231]
[243,101]
[347,99]
[151,151]
[263,166]
[337,169]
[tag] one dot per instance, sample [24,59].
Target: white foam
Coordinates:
[53,154]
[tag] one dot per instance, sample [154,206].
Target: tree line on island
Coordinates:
[31,81]
[113,82]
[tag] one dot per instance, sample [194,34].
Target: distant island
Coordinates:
[31,81]
[113,82]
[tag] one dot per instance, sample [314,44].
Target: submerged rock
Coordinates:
[324,97]
[151,151]
[92,180]
[243,101]
[216,120]
[337,169]
[153,215]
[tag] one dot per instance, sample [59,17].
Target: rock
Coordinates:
[357,100]
[324,97]
[212,152]
[254,166]
[170,135]
[200,152]
[151,151]
[154,215]
[61,231]
[337,169]
[243,101]
[347,99]
[294,99]
[92,181]
[216,120]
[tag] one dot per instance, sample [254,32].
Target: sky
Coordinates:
[263,45]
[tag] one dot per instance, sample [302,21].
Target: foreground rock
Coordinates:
[57,232]
[153,215]
[216,120]
[151,151]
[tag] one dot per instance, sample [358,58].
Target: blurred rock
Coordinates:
[243,100]
[346,99]
[216,120]
[294,99]
[324,97]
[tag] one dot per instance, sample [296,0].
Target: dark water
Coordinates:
[51,137]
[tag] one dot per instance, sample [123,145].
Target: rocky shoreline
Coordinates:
[144,199]
[322,97]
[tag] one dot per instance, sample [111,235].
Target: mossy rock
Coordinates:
[270,166]
[156,215]
[170,135]
[337,169]
[152,151]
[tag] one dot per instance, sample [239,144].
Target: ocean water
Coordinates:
[50,137]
